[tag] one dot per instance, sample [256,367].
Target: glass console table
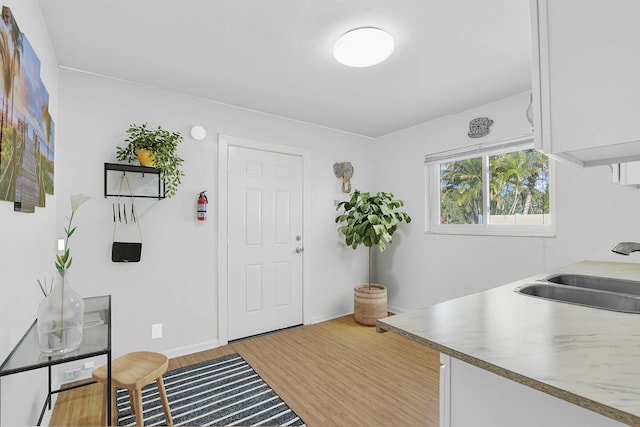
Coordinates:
[96,341]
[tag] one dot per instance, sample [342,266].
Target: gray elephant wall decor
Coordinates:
[344,170]
[479,127]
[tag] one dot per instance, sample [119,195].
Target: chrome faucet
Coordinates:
[625,248]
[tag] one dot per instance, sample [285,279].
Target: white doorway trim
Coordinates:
[224,142]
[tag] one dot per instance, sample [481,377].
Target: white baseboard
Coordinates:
[190,349]
[346,312]
[330,316]
[208,345]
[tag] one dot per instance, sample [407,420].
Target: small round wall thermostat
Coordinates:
[198,133]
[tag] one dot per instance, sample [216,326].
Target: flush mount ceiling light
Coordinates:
[363,47]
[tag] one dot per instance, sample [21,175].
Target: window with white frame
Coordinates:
[499,188]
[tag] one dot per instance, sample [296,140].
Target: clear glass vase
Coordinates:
[60,319]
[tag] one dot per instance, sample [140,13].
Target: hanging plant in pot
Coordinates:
[370,220]
[155,148]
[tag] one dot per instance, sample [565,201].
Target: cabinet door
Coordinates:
[479,398]
[627,173]
[586,79]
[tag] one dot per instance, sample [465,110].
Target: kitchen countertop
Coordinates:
[586,356]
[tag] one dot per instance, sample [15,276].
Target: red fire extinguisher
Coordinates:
[202,207]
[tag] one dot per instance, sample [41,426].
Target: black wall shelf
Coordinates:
[134,169]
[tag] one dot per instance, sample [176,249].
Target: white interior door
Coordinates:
[265,246]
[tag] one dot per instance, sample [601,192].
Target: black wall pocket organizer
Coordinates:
[125,251]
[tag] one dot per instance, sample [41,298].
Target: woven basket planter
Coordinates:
[369,305]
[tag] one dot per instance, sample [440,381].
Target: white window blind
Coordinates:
[522,142]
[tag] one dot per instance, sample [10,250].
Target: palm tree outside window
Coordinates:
[502,191]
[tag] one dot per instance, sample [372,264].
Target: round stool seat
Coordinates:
[133,371]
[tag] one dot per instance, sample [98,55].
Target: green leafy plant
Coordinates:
[163,145]
[370,220]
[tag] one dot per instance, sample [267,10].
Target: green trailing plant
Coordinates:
[163,145]
[370,220]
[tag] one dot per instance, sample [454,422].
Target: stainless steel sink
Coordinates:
[631,287]
[590,291]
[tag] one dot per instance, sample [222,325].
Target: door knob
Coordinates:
[299,249]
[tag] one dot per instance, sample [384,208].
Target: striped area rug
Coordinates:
[219,392]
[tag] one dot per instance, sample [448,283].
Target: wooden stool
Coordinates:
[134,371]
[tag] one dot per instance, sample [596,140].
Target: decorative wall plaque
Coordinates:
[479,127]
[344,170]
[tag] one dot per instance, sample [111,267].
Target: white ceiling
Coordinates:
[276,56]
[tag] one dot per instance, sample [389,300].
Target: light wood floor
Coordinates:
[335,373]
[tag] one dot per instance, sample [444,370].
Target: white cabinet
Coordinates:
[627,173]
[445,396]
[470,396]
[586,79]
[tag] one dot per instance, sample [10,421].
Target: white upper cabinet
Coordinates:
[586,79]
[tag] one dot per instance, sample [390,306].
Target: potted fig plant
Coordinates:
[155,148]
[370,220]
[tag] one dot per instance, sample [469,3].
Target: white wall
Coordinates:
[422,269]
[28,247]
[175,282]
